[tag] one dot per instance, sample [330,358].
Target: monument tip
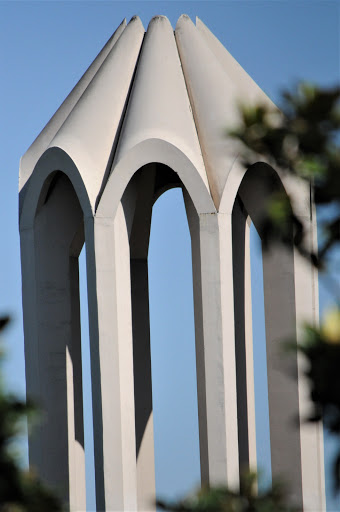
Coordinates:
[159,18]
[184,18]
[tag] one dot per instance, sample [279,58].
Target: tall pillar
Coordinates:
[52,341]
[108,272]
[290,297]
[139,197]
[280,322]
[211,238]
[307,310]
[146,492]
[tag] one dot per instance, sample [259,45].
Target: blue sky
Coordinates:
[45,48]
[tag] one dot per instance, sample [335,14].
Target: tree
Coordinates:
[222,499]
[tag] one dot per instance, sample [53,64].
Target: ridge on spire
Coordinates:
[205,84]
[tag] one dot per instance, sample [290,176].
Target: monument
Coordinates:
[149,114]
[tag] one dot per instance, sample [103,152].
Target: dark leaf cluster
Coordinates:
[222,499]
[322,371]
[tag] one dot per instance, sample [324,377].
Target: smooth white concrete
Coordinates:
[149,151]
[151,113]
[159,106]
[248,91]
[143,187]
[90,145]
[107,253]
[307,310]
[213,98]
[51,160]
[215,353]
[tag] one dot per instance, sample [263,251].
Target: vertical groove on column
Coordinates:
[95,364]
[238,221]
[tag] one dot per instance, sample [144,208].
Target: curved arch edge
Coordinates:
[149,151]
[297,189]
[52,160]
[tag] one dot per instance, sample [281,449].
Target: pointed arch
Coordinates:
[124,213]
[52,235]
[32,195]
[148,151]
[289,295]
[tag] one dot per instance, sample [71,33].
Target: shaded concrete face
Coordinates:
[255,191]
[53,358]
[159,126]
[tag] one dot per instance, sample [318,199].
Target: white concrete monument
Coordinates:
[149,114]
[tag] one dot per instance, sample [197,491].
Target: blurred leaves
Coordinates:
[20,491]
[302,139]
[321,348]
[222,499]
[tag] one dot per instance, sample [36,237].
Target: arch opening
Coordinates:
[177,459]
[158,384]
[53,337]
[256,189]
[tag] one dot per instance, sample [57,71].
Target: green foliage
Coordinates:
[303,140]
[222,499]
[321,349]
[20,491]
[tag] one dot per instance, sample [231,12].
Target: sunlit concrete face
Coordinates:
[149,114]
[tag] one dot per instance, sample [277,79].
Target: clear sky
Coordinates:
[45,48]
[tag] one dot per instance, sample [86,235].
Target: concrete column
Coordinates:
[138,203]
[211,237]
[109,298]
[279,299]
[52,341]
[243,337]
[143,385]
[290,296]
[311,434]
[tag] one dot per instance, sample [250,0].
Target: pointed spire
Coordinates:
[213,98]
[159,106]
[185,93]
[42,141]
[89,133]
[245,84]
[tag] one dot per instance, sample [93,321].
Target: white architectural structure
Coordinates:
[149,114]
